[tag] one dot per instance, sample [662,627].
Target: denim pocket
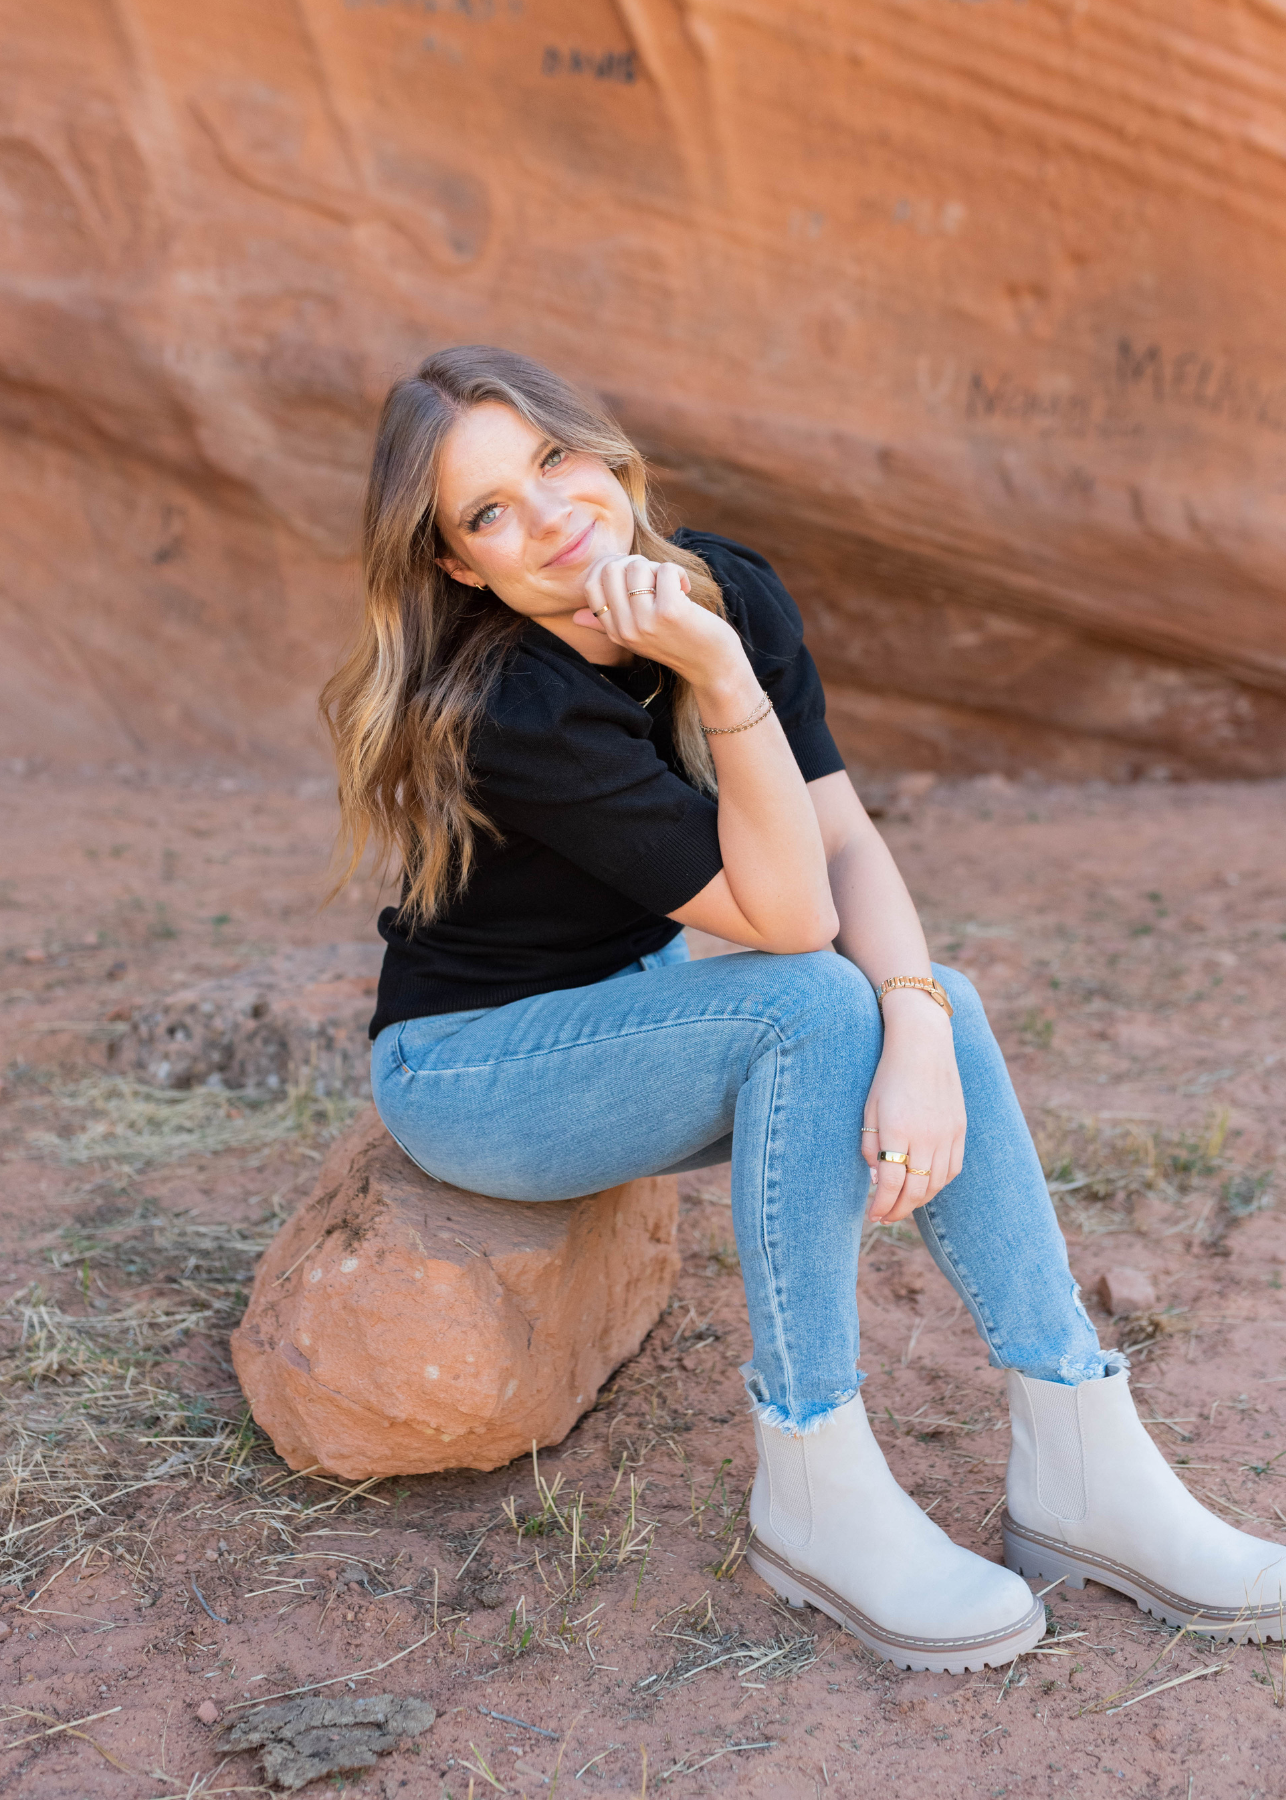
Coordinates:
[417,1040]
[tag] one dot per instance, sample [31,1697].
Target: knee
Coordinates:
[827,987]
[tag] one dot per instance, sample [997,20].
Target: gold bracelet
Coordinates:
[926,984]
[760,713]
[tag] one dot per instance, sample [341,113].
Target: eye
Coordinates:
[554,459]
[485,515]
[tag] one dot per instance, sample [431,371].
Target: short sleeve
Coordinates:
[569,763]
[767,620]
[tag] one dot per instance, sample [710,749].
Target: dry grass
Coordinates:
[114,1119]
[572,1540]
[1101,1172]
[788,1653]
[92,1407]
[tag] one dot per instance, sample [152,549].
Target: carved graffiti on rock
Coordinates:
[1147,381]
[603,65]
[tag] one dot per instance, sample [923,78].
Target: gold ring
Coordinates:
[911,1171]
[897,1156]
[601,610]
[630,592]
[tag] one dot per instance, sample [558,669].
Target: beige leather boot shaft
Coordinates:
[833,1528]
[1090,1495]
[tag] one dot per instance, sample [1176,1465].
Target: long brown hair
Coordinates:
[402,707]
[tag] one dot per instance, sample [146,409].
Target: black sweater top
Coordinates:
[603,833]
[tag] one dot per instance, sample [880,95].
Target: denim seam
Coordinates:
[985,1325]
[765,1239]
[402,1147]
[609,1037]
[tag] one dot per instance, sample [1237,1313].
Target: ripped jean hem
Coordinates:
[794,1421]
[1073,1370]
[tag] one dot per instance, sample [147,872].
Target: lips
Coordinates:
[570,551]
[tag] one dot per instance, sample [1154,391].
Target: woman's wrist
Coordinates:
[729,694]
[911,1010]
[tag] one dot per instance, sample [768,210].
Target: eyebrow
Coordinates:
[476,505]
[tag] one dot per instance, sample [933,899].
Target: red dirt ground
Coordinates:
[1131,947]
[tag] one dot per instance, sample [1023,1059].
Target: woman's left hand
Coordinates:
[916,1104]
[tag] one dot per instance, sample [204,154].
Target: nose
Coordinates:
[547,510]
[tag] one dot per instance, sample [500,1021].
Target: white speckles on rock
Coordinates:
[348,1265]
[315,1275]
[431,1371]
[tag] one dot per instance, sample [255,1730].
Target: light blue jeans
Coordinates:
[673,1065]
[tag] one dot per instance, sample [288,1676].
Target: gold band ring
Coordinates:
[601,610]
[630,592]
[911,1171]
[897,1156]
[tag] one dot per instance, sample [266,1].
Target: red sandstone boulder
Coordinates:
[399,1326]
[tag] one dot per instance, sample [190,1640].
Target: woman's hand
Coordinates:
[644,607]
[915,1104]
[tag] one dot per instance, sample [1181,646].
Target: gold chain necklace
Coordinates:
[660,683]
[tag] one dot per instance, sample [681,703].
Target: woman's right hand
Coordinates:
[644,607]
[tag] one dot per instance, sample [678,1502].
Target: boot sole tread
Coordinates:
[1037,1557]
[938,1656]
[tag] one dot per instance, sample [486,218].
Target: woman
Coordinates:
[579,737]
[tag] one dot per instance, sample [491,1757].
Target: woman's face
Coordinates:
[527,518]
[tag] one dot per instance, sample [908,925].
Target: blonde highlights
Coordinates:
[403,706]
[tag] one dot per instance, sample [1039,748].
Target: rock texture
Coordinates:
[962,313]
[305,1740]
[398,1325]
[299,1019]
[1123,1290]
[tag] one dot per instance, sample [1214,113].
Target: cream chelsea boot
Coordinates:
[833,1528]
[1090,1495]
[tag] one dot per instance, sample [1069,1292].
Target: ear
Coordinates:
[459,571]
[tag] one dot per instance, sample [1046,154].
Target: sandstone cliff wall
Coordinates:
[965,313]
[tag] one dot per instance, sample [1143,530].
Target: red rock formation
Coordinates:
[963,313]
[399,1326]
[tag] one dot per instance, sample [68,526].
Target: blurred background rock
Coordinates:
[965,314]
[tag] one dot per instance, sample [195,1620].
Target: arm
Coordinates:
[773,892]
[915,1100]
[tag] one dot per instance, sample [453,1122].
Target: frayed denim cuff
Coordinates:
[793,1421]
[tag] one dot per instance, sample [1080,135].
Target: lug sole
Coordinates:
[1037,1557]
[936,1656]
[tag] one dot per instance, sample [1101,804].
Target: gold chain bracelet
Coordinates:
[926,984]
[757,717]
